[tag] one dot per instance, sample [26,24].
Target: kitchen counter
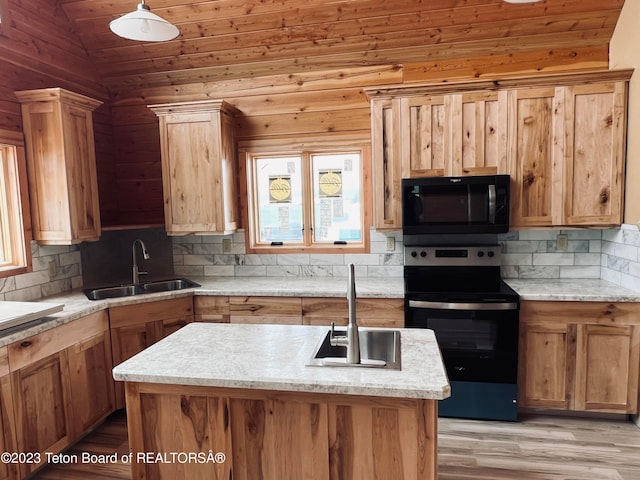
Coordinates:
[245,392]
[273,357]
[76,304]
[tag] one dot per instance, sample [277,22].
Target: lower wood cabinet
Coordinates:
[371,312]
[61,385]
[582,356]
[8,470]
[138,326]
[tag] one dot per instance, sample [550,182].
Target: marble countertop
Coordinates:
[76,304]
[274,357]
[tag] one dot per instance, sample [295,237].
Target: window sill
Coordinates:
[335,249]
[12,270]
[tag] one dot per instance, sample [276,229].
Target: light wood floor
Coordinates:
[535,448]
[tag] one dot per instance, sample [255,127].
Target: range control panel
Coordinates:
[485,255]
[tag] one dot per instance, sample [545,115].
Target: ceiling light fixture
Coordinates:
[144,26]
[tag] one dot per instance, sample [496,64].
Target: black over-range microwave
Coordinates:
[448,205]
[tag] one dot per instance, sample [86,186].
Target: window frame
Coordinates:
[14,199]
[249,153]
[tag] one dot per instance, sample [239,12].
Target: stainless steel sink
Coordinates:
[378,349]
[168,285]
[139,289]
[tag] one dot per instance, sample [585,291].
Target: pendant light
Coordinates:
[144,26]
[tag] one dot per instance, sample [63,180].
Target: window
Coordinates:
[15,253]
[309,200]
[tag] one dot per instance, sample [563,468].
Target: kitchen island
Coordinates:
[238,401]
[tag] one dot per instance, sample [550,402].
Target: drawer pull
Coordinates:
[25,344]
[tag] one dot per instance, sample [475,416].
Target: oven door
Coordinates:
[478,341]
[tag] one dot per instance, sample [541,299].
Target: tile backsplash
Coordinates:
[56,269]
[612,255]
[589,253]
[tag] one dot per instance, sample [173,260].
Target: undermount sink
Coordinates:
[139,289]
[378,349]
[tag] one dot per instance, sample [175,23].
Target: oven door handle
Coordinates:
[463,306]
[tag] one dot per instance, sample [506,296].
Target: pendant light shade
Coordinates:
[144,26]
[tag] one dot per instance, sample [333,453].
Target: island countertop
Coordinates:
[274,357]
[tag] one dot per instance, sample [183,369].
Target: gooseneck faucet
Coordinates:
[352,341]
[145,255]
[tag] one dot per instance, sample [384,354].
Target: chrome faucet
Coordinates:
[145,254]
[352,340]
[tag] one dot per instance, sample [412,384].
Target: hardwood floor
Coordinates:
[536,448]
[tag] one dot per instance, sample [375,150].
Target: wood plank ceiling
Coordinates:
[233,39]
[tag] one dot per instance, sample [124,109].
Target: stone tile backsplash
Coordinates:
[589,253]
[56,269]
[612,255]
[204,256]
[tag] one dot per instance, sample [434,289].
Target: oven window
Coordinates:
[465,334]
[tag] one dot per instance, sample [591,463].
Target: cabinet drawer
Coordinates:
[37,347]
[150,311]
[211,309]
[370,312]
[287,310]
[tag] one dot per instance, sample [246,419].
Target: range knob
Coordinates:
[480,253]
[490,253]
[414,254]
[423,254]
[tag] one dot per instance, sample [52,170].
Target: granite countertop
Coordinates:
[274,357]
[76,304]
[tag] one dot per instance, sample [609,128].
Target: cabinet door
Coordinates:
[386,158]
[594,153]
[43,409]
[425,143]
[136,327]
[536,156]
[63,186]
[476,133]
[92,385]
[607,364]
[199,167]
[546,365]
[7,420]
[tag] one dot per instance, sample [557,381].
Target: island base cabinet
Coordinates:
[8,470]
[275,435]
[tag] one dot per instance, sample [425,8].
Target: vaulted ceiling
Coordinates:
[230,39]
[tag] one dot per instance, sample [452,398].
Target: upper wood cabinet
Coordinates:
[199,167]
[560,137]
[566,153]
[61,164]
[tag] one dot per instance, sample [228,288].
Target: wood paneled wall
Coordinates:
[291,106]
[38,49]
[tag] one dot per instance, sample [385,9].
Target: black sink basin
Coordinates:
[119,291]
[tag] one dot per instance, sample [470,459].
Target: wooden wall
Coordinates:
[38,49]
[292,105]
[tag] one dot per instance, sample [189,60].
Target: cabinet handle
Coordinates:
[25,344]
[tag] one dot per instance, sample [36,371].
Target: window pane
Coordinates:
[337,198]
[279,190]
[5,227]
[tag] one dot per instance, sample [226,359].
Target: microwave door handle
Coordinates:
[492,204]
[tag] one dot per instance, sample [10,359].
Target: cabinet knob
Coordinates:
[25,344]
